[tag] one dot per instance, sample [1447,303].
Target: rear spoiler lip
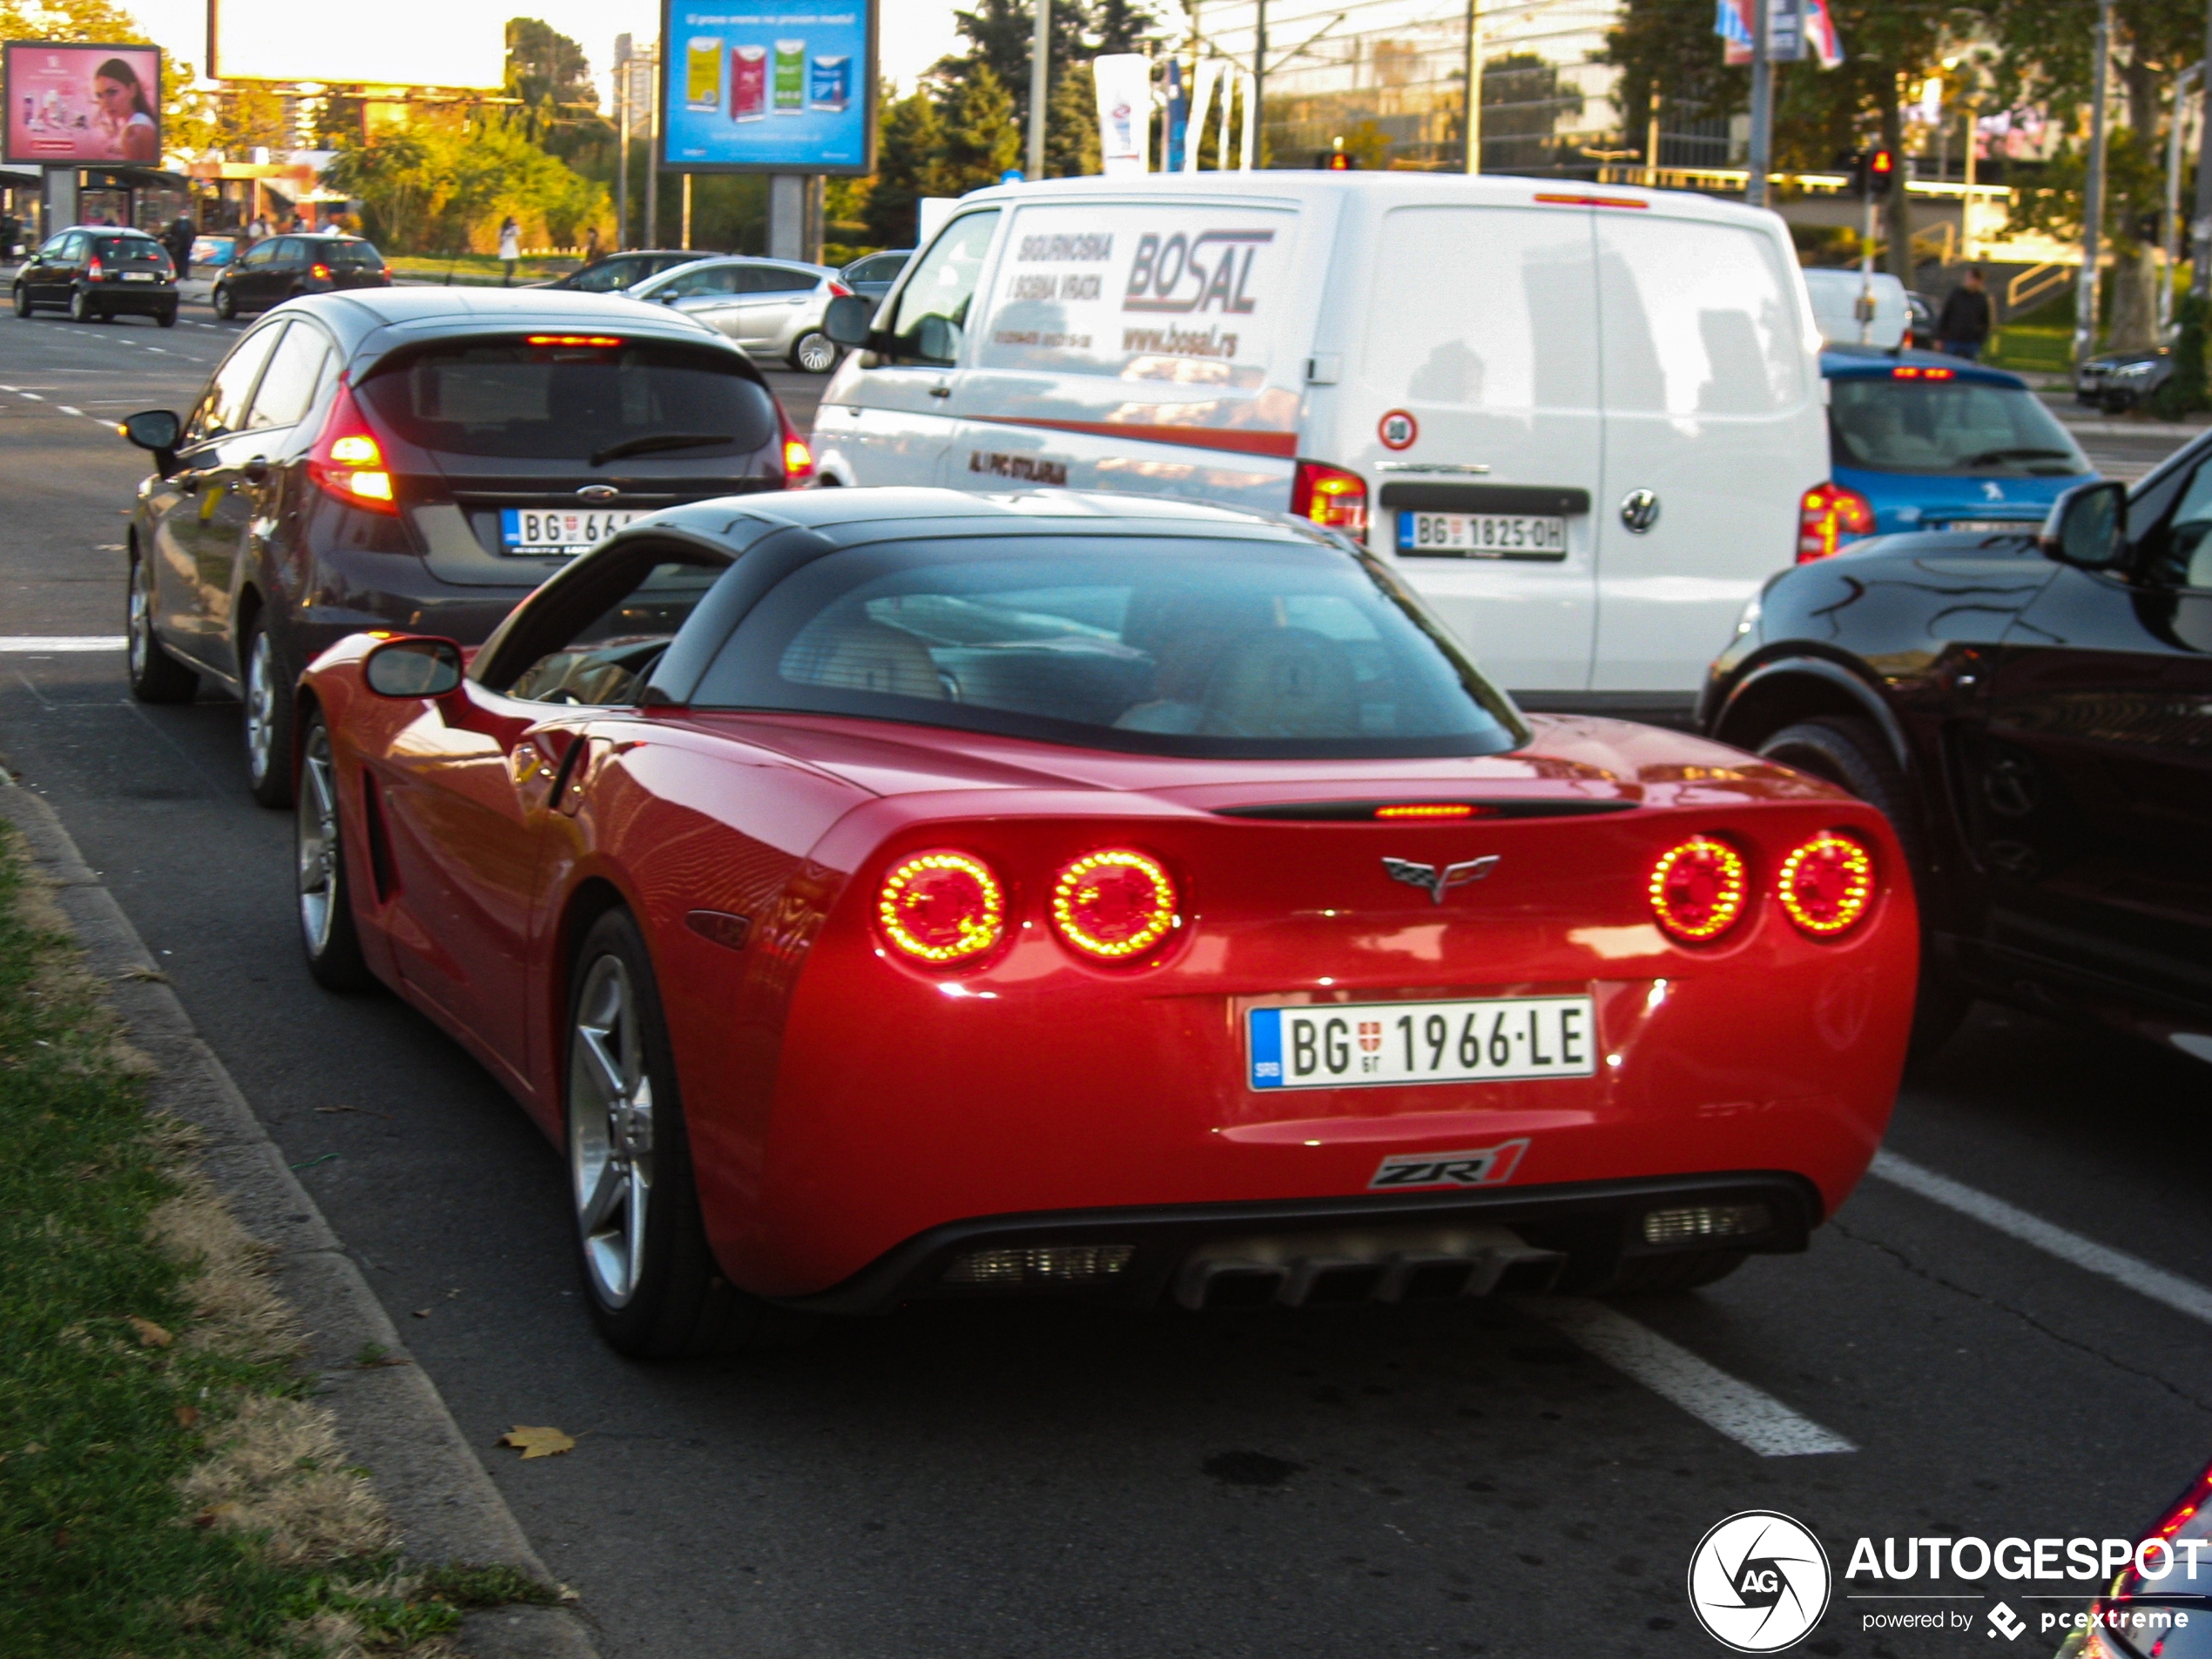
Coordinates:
[1364,812]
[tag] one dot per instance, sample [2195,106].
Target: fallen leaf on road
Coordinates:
[422,1314]
[538,1442]
[187,1416]
[149,1334]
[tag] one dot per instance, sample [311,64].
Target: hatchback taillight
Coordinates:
[799,460]
[1331,496]
[95,270]
[839,291]
[1830,516]
[347,462]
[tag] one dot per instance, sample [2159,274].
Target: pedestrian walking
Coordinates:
[259,230]
[180,238]
[1963,325]
[510,248]
[591,244]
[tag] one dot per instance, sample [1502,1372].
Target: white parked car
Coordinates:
[771,308]
[1580,420]
[1835,293]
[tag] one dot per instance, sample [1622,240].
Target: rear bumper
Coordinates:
[144,301]
[1332,1249]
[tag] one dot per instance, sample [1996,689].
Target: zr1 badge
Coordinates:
[1486,1166]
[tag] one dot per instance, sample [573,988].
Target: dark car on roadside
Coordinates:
[2033,708]
[2116,382]
[278,268]
[1920,321]
[100,272]
[871,275]
[416,459]
[619,273]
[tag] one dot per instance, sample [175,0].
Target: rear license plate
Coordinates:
[1989,526]
[1495,1040]
[141,276]
[559,530]
[1481,535]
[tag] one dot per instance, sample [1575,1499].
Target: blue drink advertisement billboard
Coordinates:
[759,88]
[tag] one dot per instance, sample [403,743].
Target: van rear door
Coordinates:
[1713,432]
[1473,400]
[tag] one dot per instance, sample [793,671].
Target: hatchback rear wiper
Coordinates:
[1989,456]
[656,440]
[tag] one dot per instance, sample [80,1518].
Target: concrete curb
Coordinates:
[390,1415]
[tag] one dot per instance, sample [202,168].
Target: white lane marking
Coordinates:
[1750,1416]
[33,396]
[2183,1295]
[18,644]
[65,409]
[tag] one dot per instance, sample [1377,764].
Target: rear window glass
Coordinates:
[1885,425]
[512,399]
[131,250]
[1167,646]
[347,256]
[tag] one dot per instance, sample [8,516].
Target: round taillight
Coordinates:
[941,907]
[1114,905]
[1698,888]
[1827,885]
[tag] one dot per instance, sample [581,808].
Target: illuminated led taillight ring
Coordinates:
[1114,905]
[1698,888]
[941,908]
[1826,887]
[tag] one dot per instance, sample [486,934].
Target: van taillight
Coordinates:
[347,462]
[1829,516]
[1331,496]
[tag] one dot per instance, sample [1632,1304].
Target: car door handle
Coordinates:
[941,391]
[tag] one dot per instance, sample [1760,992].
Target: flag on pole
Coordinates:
[1820,34]
[1732,22]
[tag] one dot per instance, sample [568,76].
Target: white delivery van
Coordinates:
[1581,419]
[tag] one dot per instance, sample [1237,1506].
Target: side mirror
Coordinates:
[848,320]
[937,339]
[154,429]
[2087,526]
[413,668]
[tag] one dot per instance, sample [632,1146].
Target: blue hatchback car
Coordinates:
[1916,440]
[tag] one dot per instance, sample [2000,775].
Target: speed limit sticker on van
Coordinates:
[1481,535]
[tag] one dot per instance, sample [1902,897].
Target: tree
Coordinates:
[910,140]
[1668,54]
[1001,34]
[1123,25]
[438,184]
[1072,125]
[980,139]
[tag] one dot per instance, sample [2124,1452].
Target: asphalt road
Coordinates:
[1065,1484]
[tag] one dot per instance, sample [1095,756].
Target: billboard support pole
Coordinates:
[623,78]
[61,198]
[786,216]
[686,243]
[653,153]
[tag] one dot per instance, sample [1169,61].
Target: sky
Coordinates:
[915,33]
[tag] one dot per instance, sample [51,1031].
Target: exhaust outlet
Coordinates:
[1364,1264]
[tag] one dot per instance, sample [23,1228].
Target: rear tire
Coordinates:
[156,676]
[80,306]
[648,1274]
[814,353]
[267,697]
[167,318]
[1850,753]
[23,300]
[327,931]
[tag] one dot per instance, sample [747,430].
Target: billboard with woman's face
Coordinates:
[90,105]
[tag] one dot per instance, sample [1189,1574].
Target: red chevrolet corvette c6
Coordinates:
[895,895]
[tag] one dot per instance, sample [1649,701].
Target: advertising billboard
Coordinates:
[401,43]
[73,103]
[763,88]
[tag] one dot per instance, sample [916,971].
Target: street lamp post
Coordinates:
[1040,83]
[2093,196]
[1474,158]
[1762,104]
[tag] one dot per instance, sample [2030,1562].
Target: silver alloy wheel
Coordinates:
[816,351]
[611,1131]
[138,637]
[260,706]
[316,836]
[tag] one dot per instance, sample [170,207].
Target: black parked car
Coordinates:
[2034,712]
[278,268]
[871,275]
[96,272]
[2117,380]
[619,273]
[417,458]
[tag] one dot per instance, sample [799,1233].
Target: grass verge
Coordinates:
[167,1485]
[475,270]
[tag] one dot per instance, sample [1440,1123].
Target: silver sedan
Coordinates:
[772,309]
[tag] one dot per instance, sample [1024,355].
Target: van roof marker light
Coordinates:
[1557,200]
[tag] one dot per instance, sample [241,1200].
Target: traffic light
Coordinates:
[1338,160]
[1877,170]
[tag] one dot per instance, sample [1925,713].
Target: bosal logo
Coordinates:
[1758,1581]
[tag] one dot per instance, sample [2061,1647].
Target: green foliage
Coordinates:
[980,139]
[2186,391]
[437,184]
[911,138]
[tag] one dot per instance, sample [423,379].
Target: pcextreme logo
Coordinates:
[1758,1581]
